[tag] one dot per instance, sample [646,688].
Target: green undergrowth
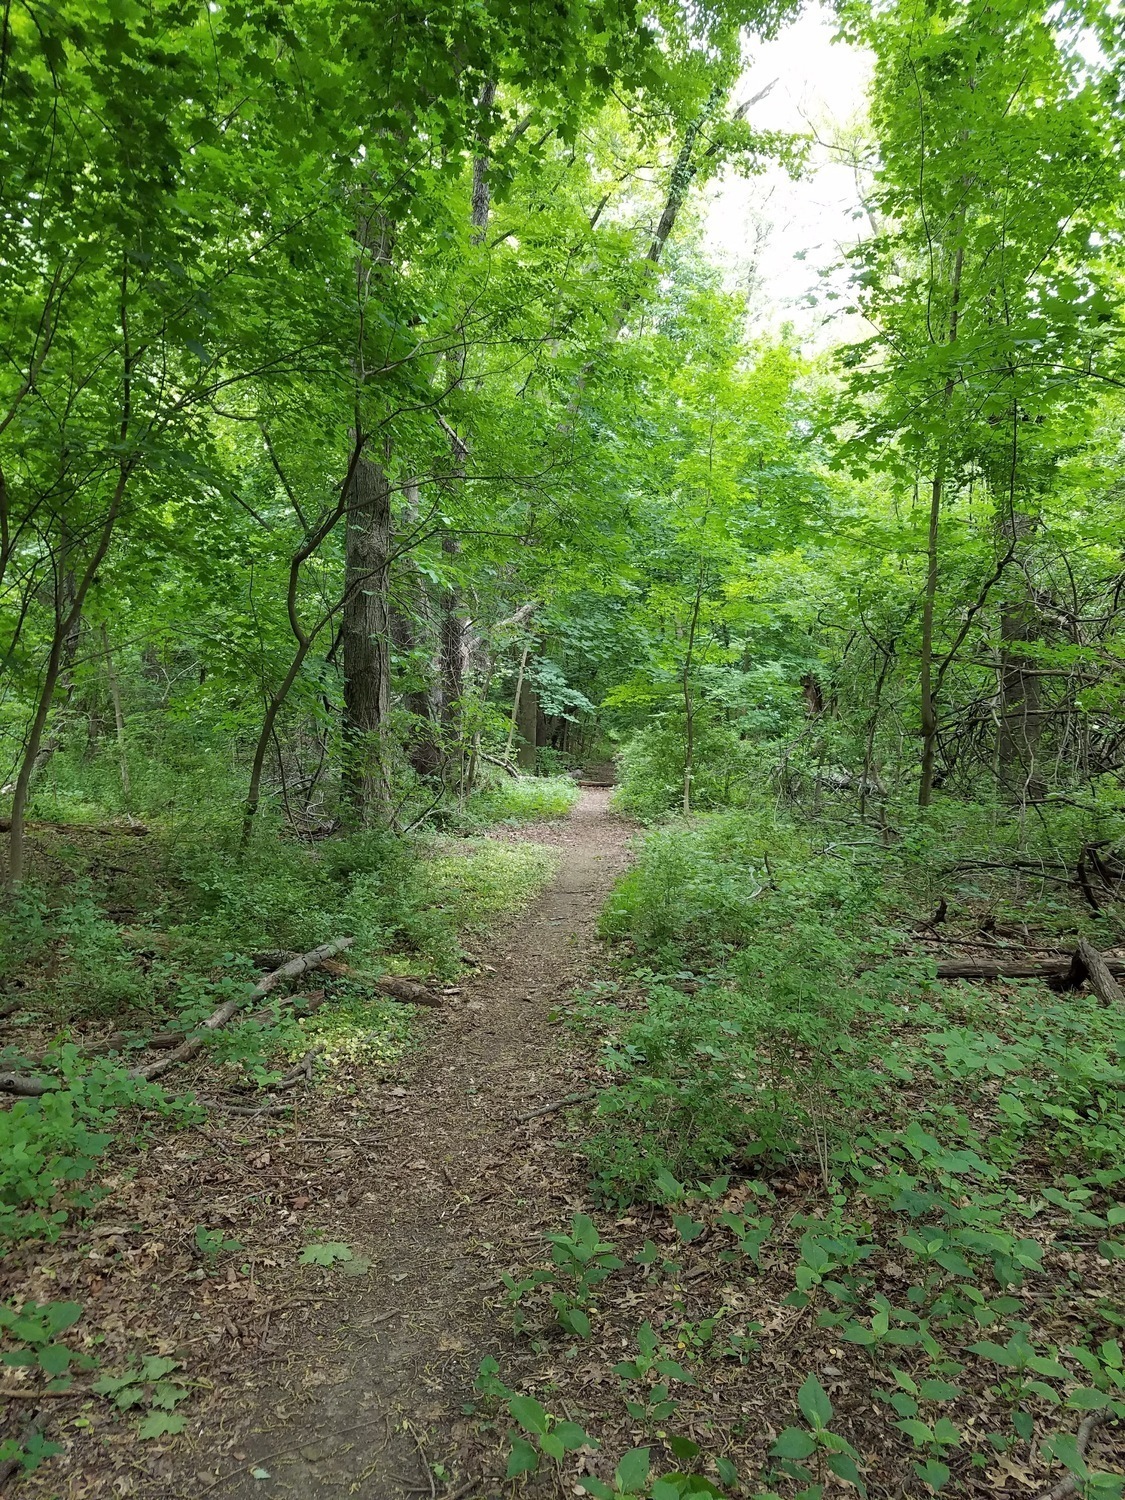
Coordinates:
[897,1201]
[132,935]
[513,800]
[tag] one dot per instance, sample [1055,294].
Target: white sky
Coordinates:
[755,227]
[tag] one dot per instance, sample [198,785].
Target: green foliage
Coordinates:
[326,1253]
[743,1046]
[521,799]
[154,1385]
[34,1329]
[211,1243]
[580,1262]
[50,1143]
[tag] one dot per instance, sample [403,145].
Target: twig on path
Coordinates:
[1069,1485]
[425,1461]
[549,1109]
[36,1393]
[461,1490]
[244,1109]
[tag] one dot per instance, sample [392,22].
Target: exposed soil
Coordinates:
[365,1399]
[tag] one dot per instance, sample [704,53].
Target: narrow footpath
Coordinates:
[366,1401]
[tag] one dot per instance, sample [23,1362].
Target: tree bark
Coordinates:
[66,623]
[366,640]
[1100,973]
[1075,969]
[1018,740]
[526,718]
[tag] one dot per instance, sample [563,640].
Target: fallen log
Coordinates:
[1005,968]
[312,1002]
[394,986]
[138,830]
[26,1086]
[31,1087]
[192,1044]
[1085,963]
[400,987]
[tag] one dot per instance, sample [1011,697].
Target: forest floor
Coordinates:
[362,1398]
[332,1349]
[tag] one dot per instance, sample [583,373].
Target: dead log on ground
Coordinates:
[139,830]
[1082,966]
[192,1044]
[30,1087]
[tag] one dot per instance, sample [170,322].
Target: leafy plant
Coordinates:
[148,1385]
[324,1253]
[34,1329]
[211,1243]
[830,1450]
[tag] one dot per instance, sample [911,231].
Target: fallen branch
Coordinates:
[30,1087]
[394,986]
[549,1109]
[263,1017]
[399,987]
[291,970]
[303,1069]
[139,829]
[242,1109]
[504,765]
[38,1393]
[1069,1485]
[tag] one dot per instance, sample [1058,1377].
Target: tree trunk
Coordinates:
[366,640]
[928,701]
[64,625]
[118,715]
[1019,688]
[411,626]
[527,715]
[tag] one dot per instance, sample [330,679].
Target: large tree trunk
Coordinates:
[366,640]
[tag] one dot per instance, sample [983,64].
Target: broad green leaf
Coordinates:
[794,1442]
[528,1413]
[523,1459]
[326,1254]
[813,1400]
[631,1473]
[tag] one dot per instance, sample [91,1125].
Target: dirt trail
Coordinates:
[350,1405]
